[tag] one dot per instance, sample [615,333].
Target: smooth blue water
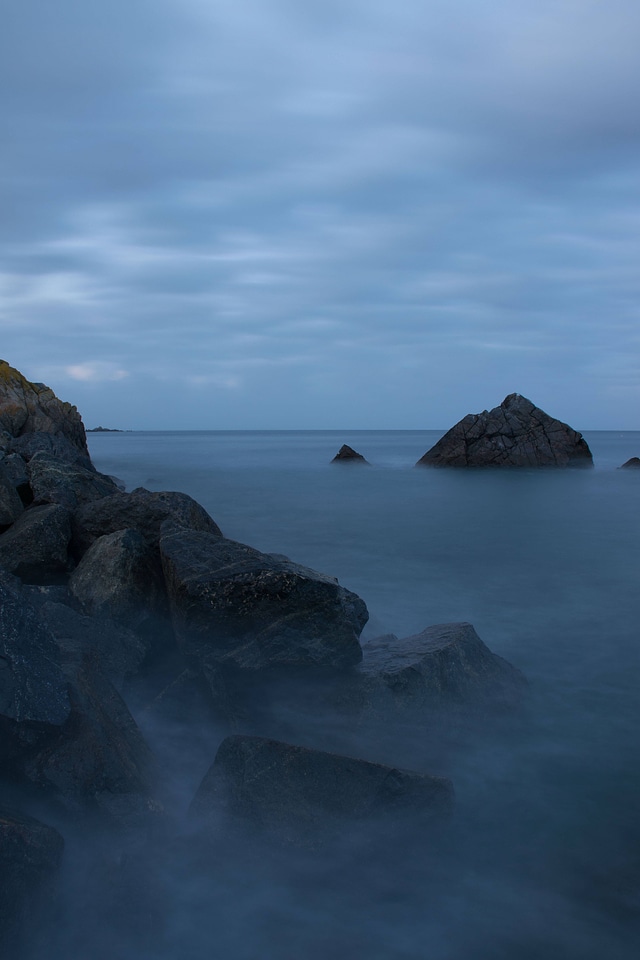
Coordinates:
[546,565]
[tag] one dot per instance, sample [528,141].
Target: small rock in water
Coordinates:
[633,464]
[347,454]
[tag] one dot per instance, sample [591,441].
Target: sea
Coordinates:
[542,858]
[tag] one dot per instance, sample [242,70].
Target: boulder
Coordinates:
[55,445]
[632,464]
[30,854]
[515,434]
[27,407]
[236,607]
[16,470]
[347,454]
[445,664]
[140,510]
[35,547]
[58,481]
[303,796]
[11,506]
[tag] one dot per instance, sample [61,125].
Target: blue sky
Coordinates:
[365,214]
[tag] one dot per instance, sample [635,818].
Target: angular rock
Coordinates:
[30,854]
[54,445]
[16,469]
[57,481]
[27,407]
[35,547]
[302,796]
[347,454]
[234,606]
[34,699]
[515,434]
[140,510]
[632,464]
[11,506]
[444,664]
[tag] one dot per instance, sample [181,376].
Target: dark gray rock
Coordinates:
[30,854]
[34,700]
[140,510]
[515,434]
[57,481]
[18,474]
[234,606]
[119,651]
[347,454]
[27,407]
[303,796]
[632,464]
[11,506]
[52,444]
[35,548]
[444,664]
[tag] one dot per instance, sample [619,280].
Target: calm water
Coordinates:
[544,858]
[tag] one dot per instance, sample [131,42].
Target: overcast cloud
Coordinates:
[365,214]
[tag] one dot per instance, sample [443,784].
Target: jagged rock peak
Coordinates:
[514,434]
[347,454]
[27,407]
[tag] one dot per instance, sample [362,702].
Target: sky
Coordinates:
[365,214]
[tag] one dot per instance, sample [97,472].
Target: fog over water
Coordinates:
[542,858]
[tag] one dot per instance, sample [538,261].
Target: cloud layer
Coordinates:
[374,214]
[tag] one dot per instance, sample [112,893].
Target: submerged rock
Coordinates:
[445,664]
[347,454]
[632,464]
[237,607]
[302,796]
[515,434]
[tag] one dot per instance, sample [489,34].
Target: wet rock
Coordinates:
[632,464]
[30,854]
[35,548]
[515,434]
[140,510]
[11,506]
[303,796]
[27,407]
[347,454]
[234,606]
[444,664]
[57,481]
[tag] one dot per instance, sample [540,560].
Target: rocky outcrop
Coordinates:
[515,434]
[35,547]
[234,606]
[27,407]
[30,854]
[632,464]
[347,454]
[445,664]
[304,796]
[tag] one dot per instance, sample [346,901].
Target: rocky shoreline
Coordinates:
[102,589]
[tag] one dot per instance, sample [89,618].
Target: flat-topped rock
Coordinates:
[301,796]
[347,454]
[515,434]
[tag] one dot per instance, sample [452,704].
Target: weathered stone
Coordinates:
[234,606]
[11,506]
[347,454]
[18,474]
[632,464]
[303,796]
[515,434]
[35,547]
[54,445]
[34,701]
[57,481]
[444,664]
[27,407]
[30,854]
[140,510]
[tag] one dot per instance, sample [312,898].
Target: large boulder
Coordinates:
[54,444]
[446,664]
[27,407]
[58,481]
[515,434]
[11,506]
[35,547]
[140,510]
[302,796]
[30,854]
[234,606]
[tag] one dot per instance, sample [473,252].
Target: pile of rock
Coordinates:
[98,585]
